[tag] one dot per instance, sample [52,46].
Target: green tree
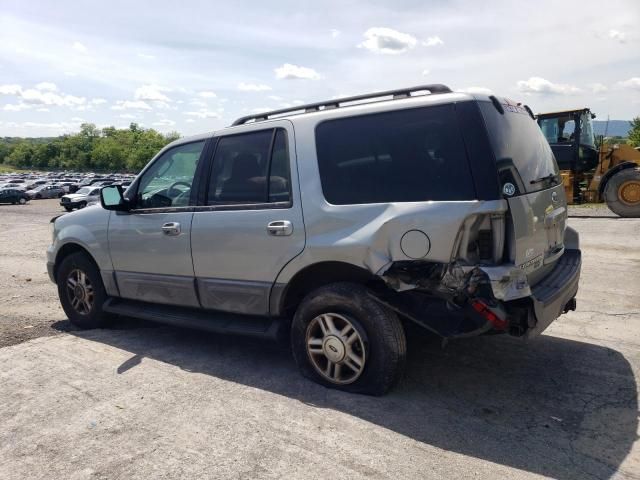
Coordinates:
[22,155]
[634,133]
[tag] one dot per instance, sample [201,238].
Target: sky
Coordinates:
[195,66]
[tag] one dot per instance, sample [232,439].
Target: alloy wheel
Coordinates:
[335,348]
[80,292]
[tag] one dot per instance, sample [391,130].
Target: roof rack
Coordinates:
[335,103]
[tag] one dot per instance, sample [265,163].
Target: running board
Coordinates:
[212,321]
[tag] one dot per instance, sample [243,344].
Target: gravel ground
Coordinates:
[146,401]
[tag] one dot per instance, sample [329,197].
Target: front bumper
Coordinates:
[552,295]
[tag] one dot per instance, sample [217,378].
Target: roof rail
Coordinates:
[335,103]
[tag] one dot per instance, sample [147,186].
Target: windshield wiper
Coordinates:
[551,176]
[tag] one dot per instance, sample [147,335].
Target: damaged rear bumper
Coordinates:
[555,293]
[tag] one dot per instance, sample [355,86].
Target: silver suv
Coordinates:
[336,223]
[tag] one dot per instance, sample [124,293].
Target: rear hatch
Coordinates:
[531,184]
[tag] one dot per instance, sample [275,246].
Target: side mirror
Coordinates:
[112,198]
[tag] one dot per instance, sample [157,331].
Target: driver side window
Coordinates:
[167,183]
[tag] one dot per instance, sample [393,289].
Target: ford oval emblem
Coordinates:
[554,197]
[509,189]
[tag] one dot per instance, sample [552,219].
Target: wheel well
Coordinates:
[69,249]
[318,275]
[610,173]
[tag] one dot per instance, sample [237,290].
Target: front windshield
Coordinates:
[84,191]
[586,130]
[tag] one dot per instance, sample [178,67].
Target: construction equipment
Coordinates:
[592,172]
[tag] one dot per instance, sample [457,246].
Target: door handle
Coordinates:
[171,228]
[280,228]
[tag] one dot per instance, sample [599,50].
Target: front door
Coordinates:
[150,245]
[251,225]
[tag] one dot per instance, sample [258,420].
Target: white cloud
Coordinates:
[478,90]
[42,109]
[598,88]
[432,41]
[197,103]
[146,57]
[617,35]
[190,120]
[425,72]
[207,94]
[274,97]
[540,85]
[388,41]
[98,101]
[203,113]
[131,105]
[633,83]
[253,87]
[164,123]
[335,33]
[10,89]
[78,47]
[34,96]
[127,115]
[47,86]
[16,107]
[152,93]
[295,72]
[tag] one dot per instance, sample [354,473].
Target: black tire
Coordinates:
[82,205]
[38,196]
[379,328]
[612,193]
[94,317]
[22,201]
[68,209]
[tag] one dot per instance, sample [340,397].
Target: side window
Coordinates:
[167,183]
[411,155]
[242,165]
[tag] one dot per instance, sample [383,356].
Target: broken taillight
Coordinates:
[482,308]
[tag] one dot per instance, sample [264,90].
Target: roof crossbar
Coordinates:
[336,102]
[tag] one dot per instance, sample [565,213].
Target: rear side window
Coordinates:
[522,152]
[401,156]
[243,163]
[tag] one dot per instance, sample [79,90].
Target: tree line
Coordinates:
[92,148]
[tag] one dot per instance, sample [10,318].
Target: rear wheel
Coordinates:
[342,338]
[622,193]
[81,291]
[68,209]
[22,201]
[82,204]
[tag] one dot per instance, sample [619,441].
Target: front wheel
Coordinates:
[82,205]
[343,338]
[622,193]
[22,201]
[81,291]
[38,196]
[68,209]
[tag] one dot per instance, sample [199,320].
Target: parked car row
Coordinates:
[75,190]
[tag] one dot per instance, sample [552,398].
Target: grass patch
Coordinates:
[10,169]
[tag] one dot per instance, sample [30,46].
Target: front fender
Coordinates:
[87,228]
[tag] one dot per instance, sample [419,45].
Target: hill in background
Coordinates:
[617,128]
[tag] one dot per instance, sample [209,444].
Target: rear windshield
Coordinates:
[401,156]
[522,152]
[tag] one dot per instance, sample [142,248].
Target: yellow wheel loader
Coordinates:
[591,172]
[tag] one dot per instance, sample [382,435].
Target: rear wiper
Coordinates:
[551,176]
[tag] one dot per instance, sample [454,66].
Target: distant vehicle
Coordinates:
[590,170]
[33,184]
[81,198]
[46,191]
[13,196]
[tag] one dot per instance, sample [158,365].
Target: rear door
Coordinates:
[530,181]
[250,225]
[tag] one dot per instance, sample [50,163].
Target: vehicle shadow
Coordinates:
[554,407]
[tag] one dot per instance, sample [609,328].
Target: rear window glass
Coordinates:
[401,156]
[522,152]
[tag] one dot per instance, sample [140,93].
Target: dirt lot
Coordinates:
[147,401]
